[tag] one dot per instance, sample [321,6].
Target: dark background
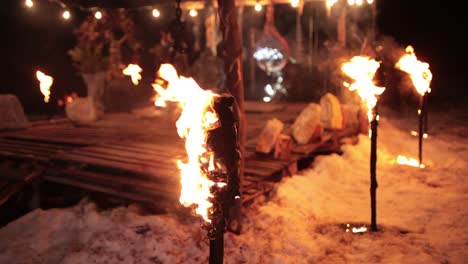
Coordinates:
[39,38]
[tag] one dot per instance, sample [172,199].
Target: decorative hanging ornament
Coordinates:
[271,50]
[177,30]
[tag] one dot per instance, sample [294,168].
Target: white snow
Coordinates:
[423,214]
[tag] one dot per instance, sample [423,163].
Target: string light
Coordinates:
[294,3]
[351,2]
[330,3]
[66,15]
[156,12]
[98,15]
[258,7]
[29,3]
[359,2]
[193,13]
[370,2]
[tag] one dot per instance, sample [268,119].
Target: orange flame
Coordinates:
[403,160]
[133,70]
[45,82]
[197,118]
[362,71]
[419,71]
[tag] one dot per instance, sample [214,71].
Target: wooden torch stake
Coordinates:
[217,244]
[421,126]
[224,143]
[373,174]
[425,114]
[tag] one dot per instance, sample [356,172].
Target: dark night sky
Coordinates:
[34,39]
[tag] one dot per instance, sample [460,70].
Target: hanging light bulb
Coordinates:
[258,7]
[98,15]
[29,3]
[294,3]
[193,13]
[66,15]
[351,2]
[370,2]
[156,12]
[359,2]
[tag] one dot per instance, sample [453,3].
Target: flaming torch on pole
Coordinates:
[421,77]
[362,70]
[45,82]
[209,178]
[133,70]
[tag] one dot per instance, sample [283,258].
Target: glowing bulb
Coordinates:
[156,13]
[29,3]
[330,3]
[294,3]
[359,2]
[370,2]
[98,15]
[193,13]
[66,15]
[266,99]
[258,7]
[269,90]
[351,2]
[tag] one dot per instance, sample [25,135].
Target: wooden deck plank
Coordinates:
[148,199]
[130,154]
[126,181]
[163,174]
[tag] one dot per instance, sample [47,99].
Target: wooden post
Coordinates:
[223,141]
[341,27]
[425,113]
[309,41]
[421,115]
[232,53]
[373,167]
[217,244]
[316,25]
[299,44]
[374,22]
[252,65]
[211,27]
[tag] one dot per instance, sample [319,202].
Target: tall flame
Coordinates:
[197,118]
[133,70]
[419,71]
[45,82]
[362,71]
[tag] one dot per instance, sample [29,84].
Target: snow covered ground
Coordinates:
[423,213]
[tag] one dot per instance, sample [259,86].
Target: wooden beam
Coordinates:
[232,53]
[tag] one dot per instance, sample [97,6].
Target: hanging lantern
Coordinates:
[271,50]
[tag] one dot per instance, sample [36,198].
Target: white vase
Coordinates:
[95,84]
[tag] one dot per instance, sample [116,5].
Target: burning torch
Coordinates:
[45,82]
[134,71]
[209,178]
[362,70]
[421,77]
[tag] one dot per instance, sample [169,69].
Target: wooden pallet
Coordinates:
[135,158]
[15,175]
